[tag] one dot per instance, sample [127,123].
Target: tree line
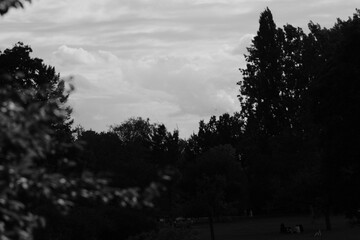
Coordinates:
[299,98]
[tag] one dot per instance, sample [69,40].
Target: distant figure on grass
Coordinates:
[251,213]
[248,213]
[297,229]
[317,235]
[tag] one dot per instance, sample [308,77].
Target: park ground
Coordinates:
[269,229]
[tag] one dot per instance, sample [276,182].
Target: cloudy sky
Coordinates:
[173,61]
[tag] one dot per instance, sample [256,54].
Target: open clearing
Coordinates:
[269,229]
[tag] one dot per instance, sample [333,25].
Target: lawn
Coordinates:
[269,229]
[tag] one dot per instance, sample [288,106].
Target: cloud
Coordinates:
[164,88]
[70,56]
[102,69]
[244,43]
[174,61]
[194,83]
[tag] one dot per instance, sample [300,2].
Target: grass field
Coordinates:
[269,229]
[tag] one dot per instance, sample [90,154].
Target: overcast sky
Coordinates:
[173,61]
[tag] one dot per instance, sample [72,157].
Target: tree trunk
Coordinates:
[170,199]
[211,224]
[327,218]
[328,205]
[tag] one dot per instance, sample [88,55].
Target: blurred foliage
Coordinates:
[33,169]
[5,5]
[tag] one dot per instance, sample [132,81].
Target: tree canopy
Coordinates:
[296,96]
[38,164]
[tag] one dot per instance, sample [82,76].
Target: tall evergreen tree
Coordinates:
[259,89]
[273,95]
[261,107]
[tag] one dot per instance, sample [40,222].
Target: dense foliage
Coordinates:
[299,98]
[41,173]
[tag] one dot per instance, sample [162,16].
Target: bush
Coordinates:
[96,223]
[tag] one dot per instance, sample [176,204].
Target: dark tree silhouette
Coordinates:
[335,96]
[296,132]
[24,73]
[215,180]
[227,129]
[262,106]
[260,88]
